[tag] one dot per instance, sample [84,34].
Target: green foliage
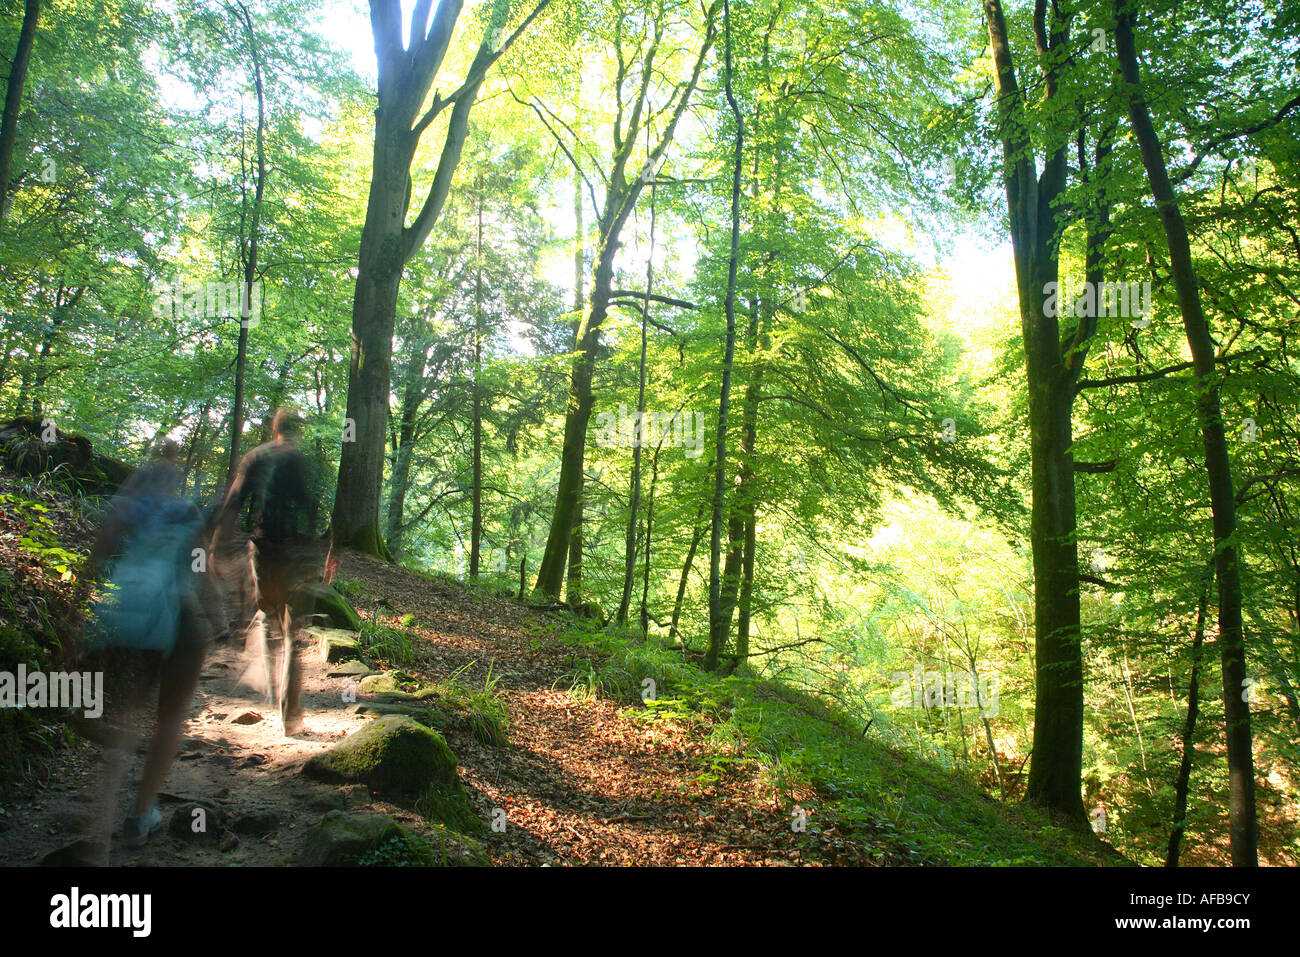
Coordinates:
[878,416]
[386,643]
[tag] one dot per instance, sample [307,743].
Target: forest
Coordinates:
[923,368]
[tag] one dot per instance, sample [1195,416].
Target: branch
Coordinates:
[666,300]
[1237,134]
[794,644]
[1157,374]
[1264,480]
[1094,580]
[560,143]
[386,25]
[477,72]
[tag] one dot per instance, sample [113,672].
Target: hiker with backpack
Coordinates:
[272,494]
[152,625]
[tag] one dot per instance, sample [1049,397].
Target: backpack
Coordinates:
[279,508]
[151,579]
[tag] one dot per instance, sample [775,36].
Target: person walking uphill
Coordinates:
[151,628]
[272,494]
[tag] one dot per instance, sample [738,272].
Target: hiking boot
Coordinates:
[136,830]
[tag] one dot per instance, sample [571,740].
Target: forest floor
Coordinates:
[579,784]
[585,776]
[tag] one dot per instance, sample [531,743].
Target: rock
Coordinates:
[349,669]
[257,823]
[424,715]
[355,796]
[383,683]
[229,841]
[323,602]
[361,838]
[452,849]
[246,717]
[397,686]
[81,853]
[401,760]
[334,644]
[25,449]
[340,838]
[196,821]
[325,801]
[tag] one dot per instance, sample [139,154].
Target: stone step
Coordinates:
[335,644]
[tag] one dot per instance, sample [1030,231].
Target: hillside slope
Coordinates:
[709,771]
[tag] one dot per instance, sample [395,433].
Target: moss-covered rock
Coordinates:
[366,839]
[392,683]
[349,669]
[325,604]
[401,760]
[446,706]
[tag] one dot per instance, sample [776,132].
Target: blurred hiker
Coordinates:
[151,627]
[272,495]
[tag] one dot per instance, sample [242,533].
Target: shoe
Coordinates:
[136,831]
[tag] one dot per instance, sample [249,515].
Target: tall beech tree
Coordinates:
[250,217]
[623,184]
[1218,468]
[720,613]
[1052,367]
[406,75]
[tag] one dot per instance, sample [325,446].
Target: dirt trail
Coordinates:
[578,782]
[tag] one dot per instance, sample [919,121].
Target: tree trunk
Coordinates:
[476,465]
[634,491]
[573,589]
[1057,767]
[550,575]
[746,505]
[649,530]
[14,99]
[248,252]
[387,242]
[686,573]
[1236,705]
[1189,730]
[718,624]
[412,394]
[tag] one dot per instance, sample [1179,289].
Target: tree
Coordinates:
[1052,366]
[718,623]
[251,213]
[1218,469]
[622,190]
[14,98]
[406,75]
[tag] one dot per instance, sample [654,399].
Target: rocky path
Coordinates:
[576,783]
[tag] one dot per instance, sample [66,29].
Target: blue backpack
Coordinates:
[141,606]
